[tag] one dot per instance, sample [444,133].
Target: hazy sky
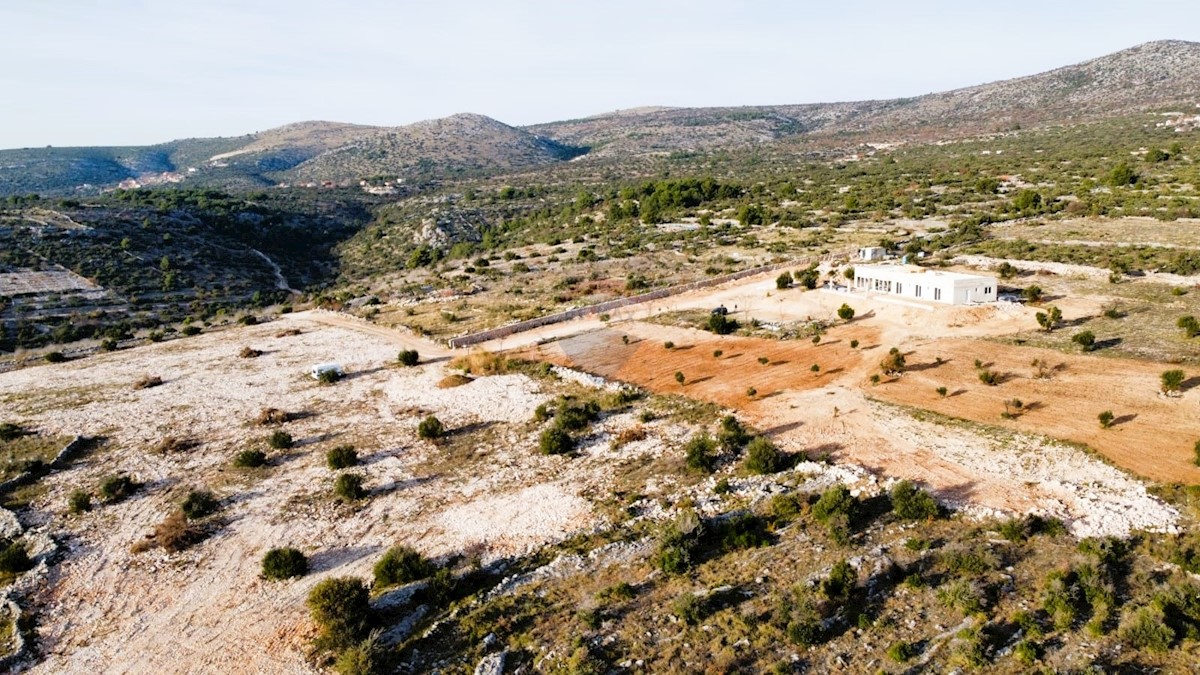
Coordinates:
[118,72]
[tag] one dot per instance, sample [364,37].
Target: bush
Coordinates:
[191,329]
[669,345]
[349,487]
[341,457]
[555,441]
[989,377]
[689,608]
[721,324]
[1106,419]
[79,502]
[733,435]
[1147,629]
[699,453]
[854,344]
[845,312]
[1085,339]
[836,510]
[14,559]
[250,459]
[175,533]
[401,565]
[10,431]
[912,503]
[1189,325]
[408,357]
[341,607]
[902,651]
[280,440]
[430,428]
[1172,380]
[250,353]
[762,457]
[364,658]
[783,281]
[893,363]
[329,376]
[55,357]
[198,504]
[284,563]
[1032,294]
[841,582]
[117,487]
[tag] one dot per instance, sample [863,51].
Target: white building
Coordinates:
[920,283]
[872,253]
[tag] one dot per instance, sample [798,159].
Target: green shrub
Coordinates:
[341,457]
[284,563]
[198,504]
[430,428]
[555,441]
[349,487]
[1189,325]
[1085,339]
[618,591]
[721,324]
[912,503]
[79,501]
[340,606]
[677,543]
[783,281]
[699,453]
[762,457]
[14,559]
[732,435]
[401,565]
[689,608]
[365,658]
[55,357]
[902,651]
[408,357]
[329,376]
[280,440]
[840,583]
[250,459]
[742,531]
[845,312]
[1172,380]
[117,487]
[10,431]
[1106,419]
[1027,652]
[191,329]
[963,595]
[1147,629]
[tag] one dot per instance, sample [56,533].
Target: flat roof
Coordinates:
[918,270]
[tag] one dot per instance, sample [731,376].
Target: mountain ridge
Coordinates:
[1136,79]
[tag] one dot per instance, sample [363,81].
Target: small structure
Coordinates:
[872,253]
[321,368]
[920,283]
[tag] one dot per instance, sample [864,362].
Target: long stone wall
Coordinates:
[610,305]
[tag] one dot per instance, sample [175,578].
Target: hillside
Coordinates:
[463,144]
[1140,78]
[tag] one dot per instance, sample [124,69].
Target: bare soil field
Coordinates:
[1152,436]
[1129,231]
[1009,467]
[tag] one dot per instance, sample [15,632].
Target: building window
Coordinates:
[899,288]
[937,294]
[917,291]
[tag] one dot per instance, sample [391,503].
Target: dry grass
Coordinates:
[173,444]
[455,380]
[481,363]
[148,382]
[272,416]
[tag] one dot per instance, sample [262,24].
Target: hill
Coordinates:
[463,144]
[1145,77]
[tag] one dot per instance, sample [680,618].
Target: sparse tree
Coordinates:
[680,378]
[1106,419]
[893,364]
[784,281]
[1050,318]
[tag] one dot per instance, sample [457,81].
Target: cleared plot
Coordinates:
[725,380]
[1152,435]
[29,282]
[1184,232]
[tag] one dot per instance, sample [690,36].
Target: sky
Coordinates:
[131,72]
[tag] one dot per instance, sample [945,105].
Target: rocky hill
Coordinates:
[1144,77]
[1147,77]
[304,152]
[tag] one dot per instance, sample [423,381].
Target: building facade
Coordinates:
[920,283]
